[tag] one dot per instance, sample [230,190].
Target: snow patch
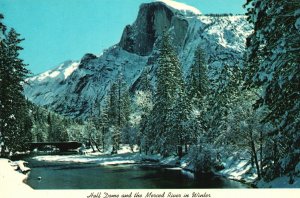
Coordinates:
[124,156]
[54,74]
[71,69]
[100,159]
[183,8]
[119,162]
[238,169]
[10,179]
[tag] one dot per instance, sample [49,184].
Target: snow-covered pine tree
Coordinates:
[144,102]
[15,123]
[181,133]
[244,130]
[123,101]
[145,80]
[112,116]
[119,109]
[213,128]
[57,128]
[125,115]
[197,80]
[273,60]
[222,97]
[104,125]
[169,83]
[90,134]
[125,107]
[198,92]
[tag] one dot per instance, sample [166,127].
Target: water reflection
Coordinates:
[63,175]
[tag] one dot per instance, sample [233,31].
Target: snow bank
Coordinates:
[126,149]
[125,155]
[129,158]
[116,162]
[235,168]
[181,7]
[10,179]
[238,169]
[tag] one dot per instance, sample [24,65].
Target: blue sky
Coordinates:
[59,30]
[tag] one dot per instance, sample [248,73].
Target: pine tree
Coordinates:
[144,101]
[50,127]
[197,81]
[273,65]
[213,117]
[2,28]
[180,133]
[104,126]
[125,107]
[125,115]
[119,110]
[198,93]
[114,117]
[221,99]
[169,84]
[15,124]
[145,82]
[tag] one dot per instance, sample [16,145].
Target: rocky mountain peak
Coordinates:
[154,18]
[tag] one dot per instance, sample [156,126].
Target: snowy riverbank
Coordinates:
[235,168]
[11,180]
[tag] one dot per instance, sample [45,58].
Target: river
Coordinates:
[75,175]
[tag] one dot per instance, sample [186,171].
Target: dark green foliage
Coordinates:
[15,123]
[119,109]
[197,80]
[273,65]
[103,126]
[181,133]
[144,101]
[49,126]
[169,87]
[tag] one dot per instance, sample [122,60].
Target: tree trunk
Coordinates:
[96,145]
[179,150]
[103,139]
[261,152]
[252,158]
[276,160]
[90,142]
[255,155]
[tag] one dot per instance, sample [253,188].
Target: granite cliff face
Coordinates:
[77,88]
[152,20]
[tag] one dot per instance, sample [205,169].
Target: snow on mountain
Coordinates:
[87,83]
[64,70]
[181,7]
[77,88]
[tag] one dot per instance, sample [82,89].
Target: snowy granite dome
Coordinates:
[153,19]
[75,88]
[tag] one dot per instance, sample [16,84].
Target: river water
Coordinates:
[66,175]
